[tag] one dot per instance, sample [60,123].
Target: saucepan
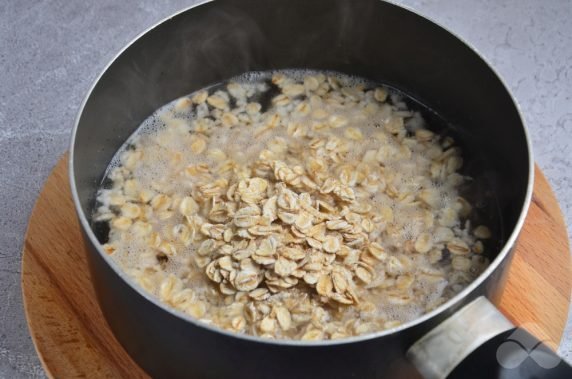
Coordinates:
[217,40]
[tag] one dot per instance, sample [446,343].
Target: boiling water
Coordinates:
[166,138]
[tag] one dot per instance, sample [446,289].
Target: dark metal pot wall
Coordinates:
[215,41]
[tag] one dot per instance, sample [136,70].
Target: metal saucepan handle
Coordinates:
[479,341]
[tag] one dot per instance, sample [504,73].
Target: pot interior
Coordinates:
[208,44]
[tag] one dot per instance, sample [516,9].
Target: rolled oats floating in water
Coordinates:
[300,205]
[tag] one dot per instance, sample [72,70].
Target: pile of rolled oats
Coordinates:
[307,207]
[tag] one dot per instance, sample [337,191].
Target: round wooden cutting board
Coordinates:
[73,339]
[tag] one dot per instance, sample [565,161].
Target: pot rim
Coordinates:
[442,308]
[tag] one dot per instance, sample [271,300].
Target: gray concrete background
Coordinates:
[51,51]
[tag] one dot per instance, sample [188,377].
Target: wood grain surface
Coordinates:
[73,340]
